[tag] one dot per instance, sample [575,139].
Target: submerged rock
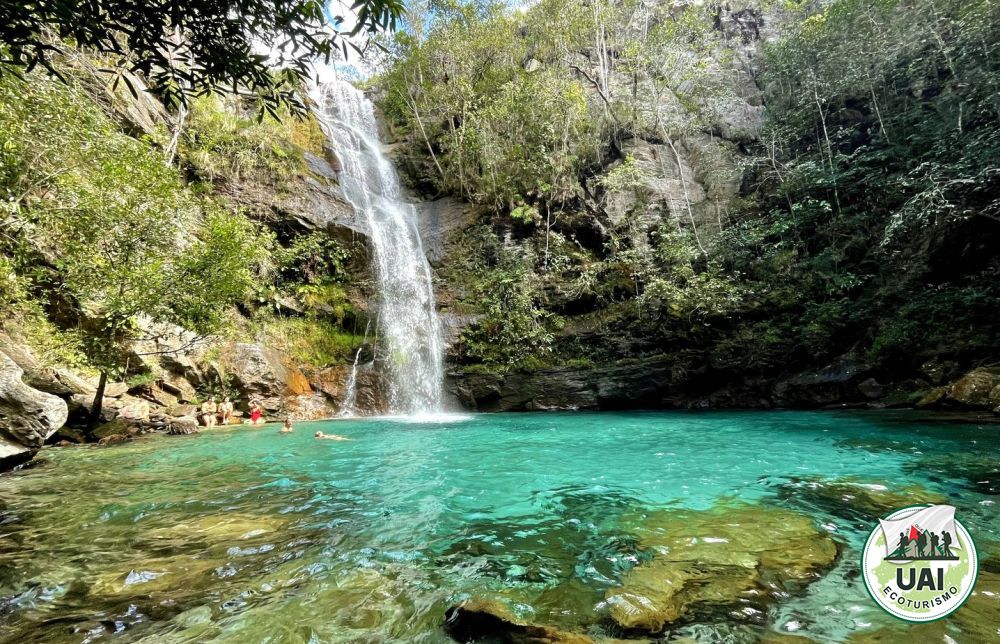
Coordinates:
[711,560]
[175,576]
[855,499]
[478,619]
[975,621]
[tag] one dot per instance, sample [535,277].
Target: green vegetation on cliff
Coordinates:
[760,187]
[118,218]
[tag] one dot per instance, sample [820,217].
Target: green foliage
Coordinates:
[12,287]
[196,48]
[310,340]
[97,218]
[625,176]
[312,258]
[513,327]
[222,140]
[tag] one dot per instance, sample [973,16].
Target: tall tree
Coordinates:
[192,47]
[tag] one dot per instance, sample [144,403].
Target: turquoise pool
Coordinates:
[247,535]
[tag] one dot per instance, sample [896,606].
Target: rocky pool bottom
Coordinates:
[738,527]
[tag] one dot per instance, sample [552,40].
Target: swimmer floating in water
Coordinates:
[287,427]
[331,437]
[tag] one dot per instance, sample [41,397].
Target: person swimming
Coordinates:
[331,437]
[287,426]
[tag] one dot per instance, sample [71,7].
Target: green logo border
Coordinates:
[864,577]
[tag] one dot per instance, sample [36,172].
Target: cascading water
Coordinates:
[351,391]
[410,331]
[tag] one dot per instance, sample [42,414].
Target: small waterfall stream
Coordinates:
[411,345]
[351,391]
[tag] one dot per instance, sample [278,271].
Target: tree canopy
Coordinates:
[193,47]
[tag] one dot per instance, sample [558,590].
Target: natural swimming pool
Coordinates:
[247,535]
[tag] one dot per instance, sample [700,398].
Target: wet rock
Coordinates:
[370,397]
[834,383]
[309,407]
[169,577]
[117,426]
[737,556]
[181,425]
[932,399]
[297,384]
[871,388]
[114,439]
[643,382]
[438,219]
[219,528]
[974,390]
[27,416]
[482,619]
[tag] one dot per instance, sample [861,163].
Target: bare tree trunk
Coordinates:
[829,146]
[548,227]
[687,198]
[178,128]
[420,123]
[95,409]
[878,113]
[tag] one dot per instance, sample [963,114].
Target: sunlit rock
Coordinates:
[711,560]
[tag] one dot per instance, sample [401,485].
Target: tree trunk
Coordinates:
[829,147]
[95,409]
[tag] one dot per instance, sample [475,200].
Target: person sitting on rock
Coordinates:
[225,411]
[208,411]
[331,437]
[287,427]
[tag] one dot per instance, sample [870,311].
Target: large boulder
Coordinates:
[183,425]
[53,380]
[257,372]
[27,416]
[738,557]
[976,389]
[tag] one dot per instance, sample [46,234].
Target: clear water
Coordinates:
[410,341]
[248,535]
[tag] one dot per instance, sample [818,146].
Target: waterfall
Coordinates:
[411,346]
[351,392]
